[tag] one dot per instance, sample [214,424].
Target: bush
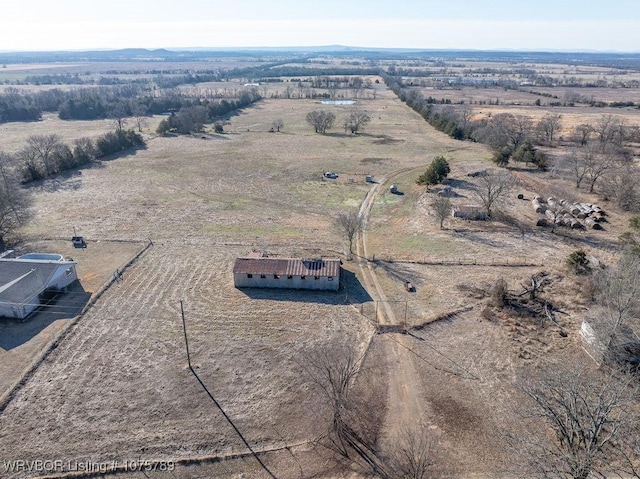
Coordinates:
[499,293]
[218,128]
[578,262]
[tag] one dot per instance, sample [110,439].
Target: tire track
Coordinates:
[404,409]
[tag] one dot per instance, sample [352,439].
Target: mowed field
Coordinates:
[117,388]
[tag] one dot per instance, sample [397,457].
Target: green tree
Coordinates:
[438,170]
[501,157]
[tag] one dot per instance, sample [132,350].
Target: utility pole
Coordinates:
[406,301]
[186,341]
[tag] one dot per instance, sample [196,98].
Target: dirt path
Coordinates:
[404,408]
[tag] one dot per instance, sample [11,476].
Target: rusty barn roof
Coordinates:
[288,266]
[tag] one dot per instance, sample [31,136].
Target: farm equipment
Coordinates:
[78,242]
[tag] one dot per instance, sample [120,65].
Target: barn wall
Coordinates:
[240,280]
[591,343]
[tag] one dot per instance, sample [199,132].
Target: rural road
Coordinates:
[404,409]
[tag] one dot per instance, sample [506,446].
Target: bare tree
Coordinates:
[321,120]
[14,201]
[357,85]
[140,117]
[579,160]
[619,289]
[609,130]
[465,114]
[332,87]
[276,125]
[332,370]
[582,133]
[623,185]
[493,188]
[350,224]
[356,120]
[589,414]
[44,152]
[548,126]
[441,206]
[599,163]
[119,118]
[416,455]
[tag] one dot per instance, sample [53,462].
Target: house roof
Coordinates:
[288,266]
[23,280]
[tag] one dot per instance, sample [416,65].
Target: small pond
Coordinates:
[338,102]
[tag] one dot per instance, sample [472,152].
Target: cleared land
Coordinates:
[117,388]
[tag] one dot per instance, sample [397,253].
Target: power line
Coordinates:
[186,343]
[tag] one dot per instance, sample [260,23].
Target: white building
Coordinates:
[25,279]
[291,273]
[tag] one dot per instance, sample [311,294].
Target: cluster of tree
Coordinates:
[445,120]
[46,155]
[59,79]
[14,200]
[287,70]
[322,120]
[127,98]
[15,106]
[80,104]
[337,373]
[172,81]
[589,421]
[192,118]
[599,158]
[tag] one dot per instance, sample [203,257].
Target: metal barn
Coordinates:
[289,273]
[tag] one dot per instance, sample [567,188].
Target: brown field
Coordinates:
[117,387]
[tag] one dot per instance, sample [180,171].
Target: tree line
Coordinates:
[44,156]
[192,117]
[599,157]
[100,102]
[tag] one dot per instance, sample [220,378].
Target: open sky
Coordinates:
[575,25]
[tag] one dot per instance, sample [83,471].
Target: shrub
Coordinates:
[499,293]
[578,262]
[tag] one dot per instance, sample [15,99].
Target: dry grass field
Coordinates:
[117,388]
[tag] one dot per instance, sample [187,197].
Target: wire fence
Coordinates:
[460,261]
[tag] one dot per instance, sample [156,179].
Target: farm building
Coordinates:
[257,271]
[605,344]
[25,280]
[469,212]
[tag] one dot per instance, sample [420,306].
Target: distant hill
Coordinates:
[619,60]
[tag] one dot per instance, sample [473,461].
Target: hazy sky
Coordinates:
[613,25]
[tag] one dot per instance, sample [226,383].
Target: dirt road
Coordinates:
[404,408]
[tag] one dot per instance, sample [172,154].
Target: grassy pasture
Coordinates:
[121,374]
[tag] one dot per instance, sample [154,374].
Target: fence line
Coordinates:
[461,261]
